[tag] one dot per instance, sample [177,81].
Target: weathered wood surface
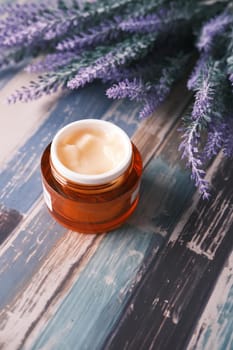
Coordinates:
[154,283]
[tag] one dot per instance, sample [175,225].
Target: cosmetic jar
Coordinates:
[91,176]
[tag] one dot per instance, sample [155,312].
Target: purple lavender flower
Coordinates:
[88,74]
[206,99]
[215,140]
[198,71]
[189,150]
[74,19]
[23,37]
[121,54]
[156,96]
[147,68]
[204,80]
[161,89]
[146,24]
[152,95]
[116,74]
[59,28]
[21,16]
[211,29]
[134,90]
[35,90]
[5,8]
[51,62]
[94,36]
[29,21]
[203,101]
[151,102]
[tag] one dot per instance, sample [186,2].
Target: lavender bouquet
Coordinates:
[138,47]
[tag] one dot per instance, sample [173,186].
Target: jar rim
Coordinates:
[91,179]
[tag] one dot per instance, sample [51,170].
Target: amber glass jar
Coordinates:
[91,203]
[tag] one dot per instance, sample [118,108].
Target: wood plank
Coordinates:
[34,300]
[214,328]
[9,219]
[47,294]
[165,306]
[21,253]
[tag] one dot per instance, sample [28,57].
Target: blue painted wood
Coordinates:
[175,287]
[22,258]
[219,332]
[9,219]
[89,311]
[214,328]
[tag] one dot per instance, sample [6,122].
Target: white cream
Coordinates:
[91,151]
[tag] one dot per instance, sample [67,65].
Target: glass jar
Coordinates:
[91,203]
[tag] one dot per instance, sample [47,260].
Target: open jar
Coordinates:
[91,176]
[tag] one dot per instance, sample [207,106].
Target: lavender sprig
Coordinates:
[24,37]
[152,93]
[215,140]
[134,90]
[96,35]
[168,15]
[74,19]
[50,22]
[207,88]
[44,86]
[50,82]
[52,62]
[123,53]
[189,149]
[219,137]
[147,24]
[203,101]
[161,89]
[212,29]
[198,71]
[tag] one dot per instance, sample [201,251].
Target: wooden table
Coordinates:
[162,281]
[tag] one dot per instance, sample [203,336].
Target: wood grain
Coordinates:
[214,328]
[9,219]
[50,298]
[166,305]
[33,302]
